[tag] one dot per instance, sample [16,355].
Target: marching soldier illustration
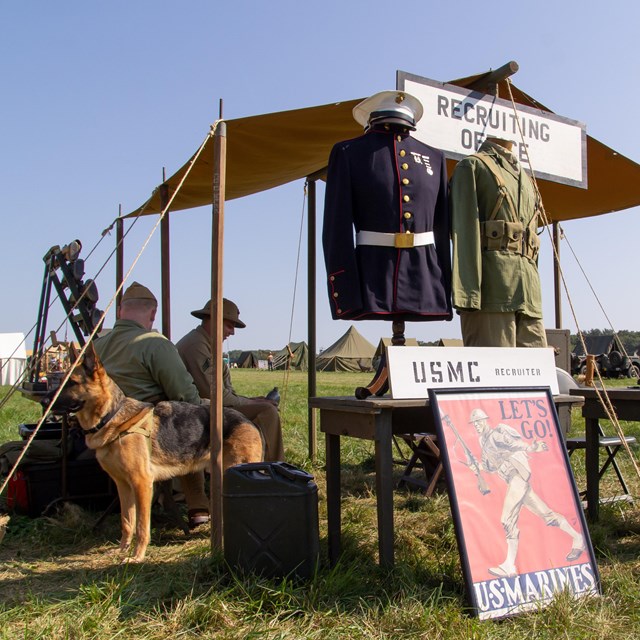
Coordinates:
[505,453]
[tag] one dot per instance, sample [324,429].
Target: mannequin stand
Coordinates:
[380,383]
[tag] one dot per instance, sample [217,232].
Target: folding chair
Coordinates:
[425,454]
[612,444]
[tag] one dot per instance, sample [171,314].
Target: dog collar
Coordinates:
[102,422]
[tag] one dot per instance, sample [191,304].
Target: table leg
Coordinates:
[384,488]
[592,455]
[333,496]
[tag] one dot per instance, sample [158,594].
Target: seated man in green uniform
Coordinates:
[195,351]
[147,367]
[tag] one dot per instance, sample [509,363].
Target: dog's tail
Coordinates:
[242,440]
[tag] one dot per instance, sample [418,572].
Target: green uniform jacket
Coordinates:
[494,264]
[145,365]
[195,350]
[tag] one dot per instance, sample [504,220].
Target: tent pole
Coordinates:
[311,314]
[119,258]
[488,82]
[165,260]
[217,224]
[556,275]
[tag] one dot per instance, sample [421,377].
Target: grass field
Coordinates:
[58,578]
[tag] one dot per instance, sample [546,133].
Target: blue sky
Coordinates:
[98,97]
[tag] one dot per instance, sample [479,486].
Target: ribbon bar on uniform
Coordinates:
[397,240]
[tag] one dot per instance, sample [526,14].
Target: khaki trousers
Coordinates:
[266,416]
[192,486]
[487,329]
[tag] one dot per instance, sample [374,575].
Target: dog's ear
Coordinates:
[73,353]
[90,362]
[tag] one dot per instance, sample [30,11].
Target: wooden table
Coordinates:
[626,404]
[377,419]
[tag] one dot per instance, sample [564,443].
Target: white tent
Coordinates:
[13,357]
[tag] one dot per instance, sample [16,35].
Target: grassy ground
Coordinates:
[59,580]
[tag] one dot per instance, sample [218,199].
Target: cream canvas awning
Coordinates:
[269,150]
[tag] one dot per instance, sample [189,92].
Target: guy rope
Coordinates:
[600,389]
[109,305]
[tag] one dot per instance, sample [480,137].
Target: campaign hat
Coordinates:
[230,312]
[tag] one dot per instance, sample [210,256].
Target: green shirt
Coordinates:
[145,365]
[488,279]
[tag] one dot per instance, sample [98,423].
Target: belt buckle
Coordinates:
[403,240]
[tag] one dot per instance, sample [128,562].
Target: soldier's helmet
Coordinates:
[478,414]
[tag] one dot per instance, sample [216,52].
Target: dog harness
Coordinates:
[137,424]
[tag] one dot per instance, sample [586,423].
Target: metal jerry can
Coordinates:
[270,515]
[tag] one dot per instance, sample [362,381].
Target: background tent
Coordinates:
[351,352]
[13,357]
[450,342]
[599,344]
[386,342]
[296,354]
[248,360]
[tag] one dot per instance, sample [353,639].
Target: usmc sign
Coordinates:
[458,120]
[415,370]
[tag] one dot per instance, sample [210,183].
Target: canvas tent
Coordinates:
[294,356]
[386,342]
[13,357]
[248,360]
[351,352]
[450,342]
[268,150]
[599,344]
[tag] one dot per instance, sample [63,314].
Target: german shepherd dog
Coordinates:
[137,443]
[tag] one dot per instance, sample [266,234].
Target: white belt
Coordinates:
[397,240]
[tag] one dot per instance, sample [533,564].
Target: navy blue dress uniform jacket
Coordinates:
[387,181]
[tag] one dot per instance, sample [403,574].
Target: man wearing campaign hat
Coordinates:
[391,189]
[147,367]
[195,350]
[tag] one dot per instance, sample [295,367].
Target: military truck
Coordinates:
[609,357]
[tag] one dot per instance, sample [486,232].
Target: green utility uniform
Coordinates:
[145,365]
[495,217]
[195,350]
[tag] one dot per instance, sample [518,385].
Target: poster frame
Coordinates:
[490,593]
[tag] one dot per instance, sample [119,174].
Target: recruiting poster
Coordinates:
[519,522]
